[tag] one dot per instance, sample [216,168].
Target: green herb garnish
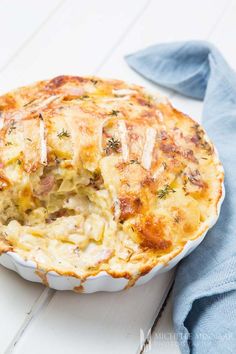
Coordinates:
[94,81]
[28,103]
[114,113]
[12,126]
[63,134]
[177,219]
[83,97]
[164,164]
[112,145]
[135,161]
[162,193]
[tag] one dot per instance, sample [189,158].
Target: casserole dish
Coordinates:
[102,184]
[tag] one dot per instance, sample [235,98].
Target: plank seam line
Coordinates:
[41,302]
[29,39]
[220,18]
[171,284]
[158,315]
[123,35]
[46,296]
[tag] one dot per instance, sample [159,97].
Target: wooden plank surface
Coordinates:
[94,323]
[164,340]
[76,40]
[17,296]
[20,20]
[91,37]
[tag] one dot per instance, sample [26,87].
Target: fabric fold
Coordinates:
[204,291]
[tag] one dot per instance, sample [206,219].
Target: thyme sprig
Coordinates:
[112,145]
[114,112]
[94,81]
[83,97]
[12,126]
[163,193]
[63,134]
[134,162]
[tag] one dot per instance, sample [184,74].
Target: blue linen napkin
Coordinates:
[204,311]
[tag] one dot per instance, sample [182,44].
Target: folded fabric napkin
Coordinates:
[204,312]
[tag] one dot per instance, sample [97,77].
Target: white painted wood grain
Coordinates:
[19,20]
[143,310]
[76,40]
[79,37]
[105,338]
[164,339]
[155,290]
[164,21]
[17,297]
[224,34]
[94,323]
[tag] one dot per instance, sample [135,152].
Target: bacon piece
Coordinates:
[164,135]
[188,154]
[195,139]
[172,149]
[194,177]
[46,185]
[169,148]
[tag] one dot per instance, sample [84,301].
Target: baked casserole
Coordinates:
[99,175]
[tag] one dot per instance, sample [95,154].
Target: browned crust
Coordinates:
[130,206]
[43,276]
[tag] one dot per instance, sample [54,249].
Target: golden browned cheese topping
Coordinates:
[100,175]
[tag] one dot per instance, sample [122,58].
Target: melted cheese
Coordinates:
[97,175]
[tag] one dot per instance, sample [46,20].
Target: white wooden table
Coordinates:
[42,39]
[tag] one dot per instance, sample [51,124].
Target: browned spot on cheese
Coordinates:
[8,102]
[152,233]
[129,206]
[149,183]
[61,80]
